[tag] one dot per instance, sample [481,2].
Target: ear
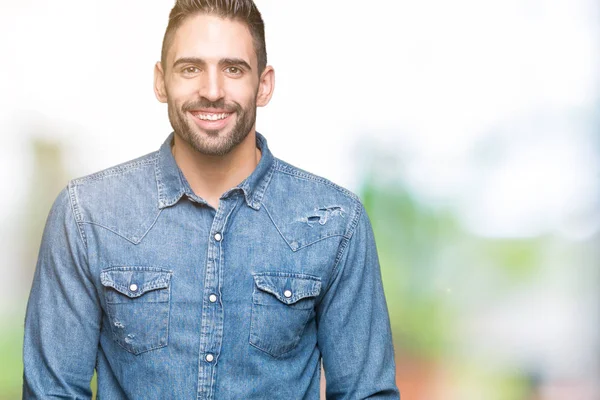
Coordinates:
[266,85]
[160,89]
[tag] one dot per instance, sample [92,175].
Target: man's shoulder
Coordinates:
[126,172]
[122,198]
[297,198]
[301,177]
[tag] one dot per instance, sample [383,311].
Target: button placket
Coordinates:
[212,311]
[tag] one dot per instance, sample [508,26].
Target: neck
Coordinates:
[211,176]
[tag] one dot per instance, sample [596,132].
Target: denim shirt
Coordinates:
[168,298]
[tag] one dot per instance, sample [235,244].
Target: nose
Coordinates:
[211,85]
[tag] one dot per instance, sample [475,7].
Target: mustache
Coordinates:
[205,103]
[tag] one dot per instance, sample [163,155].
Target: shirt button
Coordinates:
[133,287]
[209,357]
[218,237]
[287,293]
[212,298]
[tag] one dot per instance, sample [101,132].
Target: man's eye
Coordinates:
[190,70]
[234,70]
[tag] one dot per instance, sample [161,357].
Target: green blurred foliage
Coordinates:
[435,273]
[11,367]
[408,237]
[426,256]
[517,259]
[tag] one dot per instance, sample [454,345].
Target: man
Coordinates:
[209,269]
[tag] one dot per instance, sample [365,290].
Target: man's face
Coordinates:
[211,83]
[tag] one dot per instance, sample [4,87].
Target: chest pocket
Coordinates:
[282,304]
[137,305]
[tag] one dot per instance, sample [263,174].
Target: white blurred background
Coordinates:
[483,111]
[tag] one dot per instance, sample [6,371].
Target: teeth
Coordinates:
[212,117]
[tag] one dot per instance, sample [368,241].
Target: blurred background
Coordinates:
[470,130]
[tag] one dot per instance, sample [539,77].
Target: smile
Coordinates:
[211,116]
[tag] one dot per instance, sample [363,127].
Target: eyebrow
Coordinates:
[222,62]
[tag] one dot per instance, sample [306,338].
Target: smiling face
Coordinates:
[211,83]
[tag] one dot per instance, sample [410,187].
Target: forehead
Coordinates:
[212,38]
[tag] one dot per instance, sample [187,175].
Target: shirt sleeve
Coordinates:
[63,313]
[354,334]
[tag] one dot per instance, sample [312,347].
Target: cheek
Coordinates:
[181,90]
[242,92]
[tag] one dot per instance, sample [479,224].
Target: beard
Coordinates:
[212,142]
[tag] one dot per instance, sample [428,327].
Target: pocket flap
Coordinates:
[135,281]
[287,287]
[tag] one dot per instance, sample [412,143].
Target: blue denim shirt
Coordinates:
[168,298]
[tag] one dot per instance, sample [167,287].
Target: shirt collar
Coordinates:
[172,184]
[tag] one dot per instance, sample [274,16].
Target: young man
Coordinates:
[209,269]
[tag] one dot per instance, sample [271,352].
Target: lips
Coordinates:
[214,119]
[211,116]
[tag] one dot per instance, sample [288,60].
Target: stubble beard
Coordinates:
[212,142]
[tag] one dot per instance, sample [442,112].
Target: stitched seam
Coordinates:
[288,274]
[113,231]
[343,247]
[320,239]
[150,227]
[127,268]
[145,289]
[163,200]
[77,214]
[116,170]
[264,185]
[293,171]
[358,210]
[159,184]
[276,227]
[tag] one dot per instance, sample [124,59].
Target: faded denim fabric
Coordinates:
[168,298]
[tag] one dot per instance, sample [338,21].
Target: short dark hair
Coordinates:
[240,10]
